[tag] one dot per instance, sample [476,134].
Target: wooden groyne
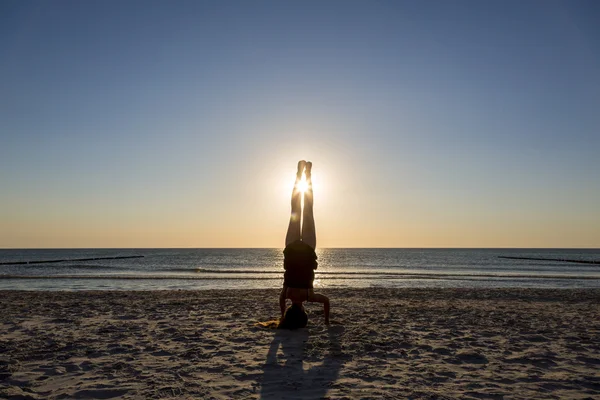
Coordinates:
[67,260]
[553,259]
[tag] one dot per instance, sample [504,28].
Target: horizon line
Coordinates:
[258,248]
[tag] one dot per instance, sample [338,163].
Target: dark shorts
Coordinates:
[299,262]
[298,281]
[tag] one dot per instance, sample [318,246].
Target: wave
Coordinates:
[324,274]
[72,267]
[402,271]
[82,266]
[347,276]
[135,277]
[66,260]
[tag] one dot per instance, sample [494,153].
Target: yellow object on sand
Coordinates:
[269,324]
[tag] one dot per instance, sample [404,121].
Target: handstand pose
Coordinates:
[300,259]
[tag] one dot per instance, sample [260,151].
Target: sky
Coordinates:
[180,123]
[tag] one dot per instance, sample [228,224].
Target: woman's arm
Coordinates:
[282,297]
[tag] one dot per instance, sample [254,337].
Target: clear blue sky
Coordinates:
[175,123]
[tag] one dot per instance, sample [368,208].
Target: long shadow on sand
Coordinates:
[287,376]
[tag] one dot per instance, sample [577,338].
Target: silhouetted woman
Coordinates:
[300,259]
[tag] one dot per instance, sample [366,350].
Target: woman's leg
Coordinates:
[293,232]
[309,235]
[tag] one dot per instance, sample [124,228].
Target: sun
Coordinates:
[302,185]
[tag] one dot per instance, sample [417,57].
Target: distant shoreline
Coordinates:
[281,247]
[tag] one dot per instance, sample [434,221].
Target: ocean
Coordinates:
[158,269]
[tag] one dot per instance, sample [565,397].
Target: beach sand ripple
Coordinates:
[382,343]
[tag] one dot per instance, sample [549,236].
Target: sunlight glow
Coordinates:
[303,185]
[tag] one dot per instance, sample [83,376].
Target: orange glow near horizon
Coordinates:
[251,208]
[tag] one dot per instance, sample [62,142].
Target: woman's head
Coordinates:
[295,317]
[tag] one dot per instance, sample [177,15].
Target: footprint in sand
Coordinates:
[471,357]
[98,394]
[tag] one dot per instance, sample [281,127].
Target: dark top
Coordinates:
[299,262]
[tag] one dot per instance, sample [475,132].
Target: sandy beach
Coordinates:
[382,343]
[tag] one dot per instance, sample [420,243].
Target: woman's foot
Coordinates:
[301,166]
[307,171]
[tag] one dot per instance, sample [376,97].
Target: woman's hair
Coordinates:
[295,317]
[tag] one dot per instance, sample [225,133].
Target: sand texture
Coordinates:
[382,343]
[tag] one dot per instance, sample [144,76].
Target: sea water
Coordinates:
[159,269]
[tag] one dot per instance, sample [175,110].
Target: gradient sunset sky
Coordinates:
[180,123]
